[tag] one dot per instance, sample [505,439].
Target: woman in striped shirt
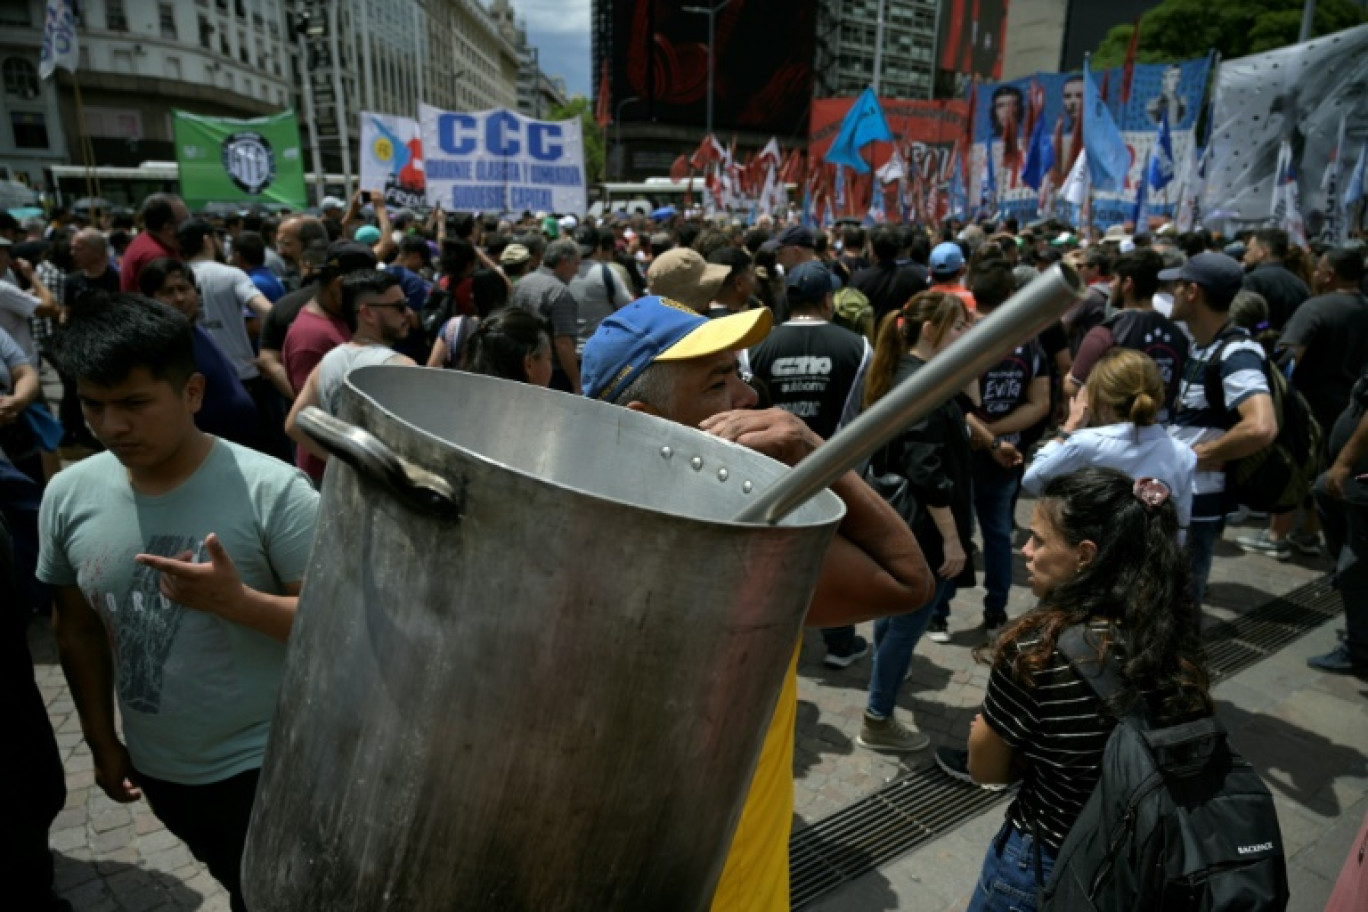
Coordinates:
[1104,552]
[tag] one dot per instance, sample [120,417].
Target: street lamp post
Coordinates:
[711,12]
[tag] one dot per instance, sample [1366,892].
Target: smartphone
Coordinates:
[365,197]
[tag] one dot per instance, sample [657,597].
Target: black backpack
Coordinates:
[439,307]
[1278,477]
[1177,821]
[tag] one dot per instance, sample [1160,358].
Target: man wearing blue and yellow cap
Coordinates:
[660,357]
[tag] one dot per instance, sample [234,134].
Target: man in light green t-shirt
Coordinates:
[177,559]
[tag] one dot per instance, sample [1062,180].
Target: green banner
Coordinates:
[223,160]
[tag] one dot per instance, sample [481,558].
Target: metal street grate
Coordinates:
[926,804]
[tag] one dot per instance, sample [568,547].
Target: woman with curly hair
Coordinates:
[1103,553]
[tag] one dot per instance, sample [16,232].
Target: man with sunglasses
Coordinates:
[1219,432]
[375,308]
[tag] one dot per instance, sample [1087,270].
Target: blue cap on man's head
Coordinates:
[810,282]
[946,259]
[655,329]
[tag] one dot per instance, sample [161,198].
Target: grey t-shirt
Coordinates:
[344,359]
[196,692]
[545,295]
[224,291]
[598,292]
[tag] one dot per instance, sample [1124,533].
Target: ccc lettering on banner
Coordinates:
[460,134]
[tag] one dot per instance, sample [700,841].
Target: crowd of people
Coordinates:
[163,508]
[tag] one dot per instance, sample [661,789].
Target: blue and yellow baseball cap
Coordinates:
[655,329]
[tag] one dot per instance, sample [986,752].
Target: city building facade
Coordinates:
[326,59]
[537,93]
[1052,36]
[846,36]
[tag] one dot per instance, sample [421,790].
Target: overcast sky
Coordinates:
[560,30]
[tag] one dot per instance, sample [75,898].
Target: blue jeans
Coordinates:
[1008,881]
[995,492]
[894,639]
[1201,544]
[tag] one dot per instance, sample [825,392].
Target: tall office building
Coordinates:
[846,36]
[537,93]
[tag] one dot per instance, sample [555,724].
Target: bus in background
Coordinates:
[126,188]
[656,193]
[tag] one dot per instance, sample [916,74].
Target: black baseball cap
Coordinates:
[1215,273]
[796,236]
[810,282]
[348,256]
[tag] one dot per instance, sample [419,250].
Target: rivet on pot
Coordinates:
[746,487]
[722,474]
[666,452]
[697,463]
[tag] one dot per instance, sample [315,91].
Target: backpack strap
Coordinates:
[606,274]
[1104,677]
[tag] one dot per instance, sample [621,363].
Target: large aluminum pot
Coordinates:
[535,657]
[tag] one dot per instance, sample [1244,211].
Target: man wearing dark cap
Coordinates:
[816,370]
[320,327]
[1219,432]
[659,357]
[797,244]
[947,273]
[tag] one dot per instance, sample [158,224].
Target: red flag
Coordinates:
[680,169]
[603,111]
[1106,87]
[1128,68]
[707,152]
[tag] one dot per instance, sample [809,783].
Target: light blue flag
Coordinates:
[1108,157]
[1161,170]
[1354,192]
[863,124]
[1040,158]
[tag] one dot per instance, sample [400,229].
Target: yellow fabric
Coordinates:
[729,333]
[756,875]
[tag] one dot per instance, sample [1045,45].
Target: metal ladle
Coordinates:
[1023,315]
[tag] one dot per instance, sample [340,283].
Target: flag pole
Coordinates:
[92,180]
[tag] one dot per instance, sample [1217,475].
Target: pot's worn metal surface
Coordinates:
[535,658]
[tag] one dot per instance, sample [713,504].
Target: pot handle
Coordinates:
[369,455]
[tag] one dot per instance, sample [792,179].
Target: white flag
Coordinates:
[893,169]
[59,39]
[1075,189]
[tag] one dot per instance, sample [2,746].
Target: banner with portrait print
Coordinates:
[1178,88]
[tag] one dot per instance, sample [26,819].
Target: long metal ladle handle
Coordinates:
[1025,314]
[369,455]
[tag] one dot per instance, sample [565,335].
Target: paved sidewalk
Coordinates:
[1305,732]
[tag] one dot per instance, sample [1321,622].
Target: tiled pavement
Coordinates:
[1306,733]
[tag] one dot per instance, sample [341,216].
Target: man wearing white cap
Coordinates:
[660,357]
